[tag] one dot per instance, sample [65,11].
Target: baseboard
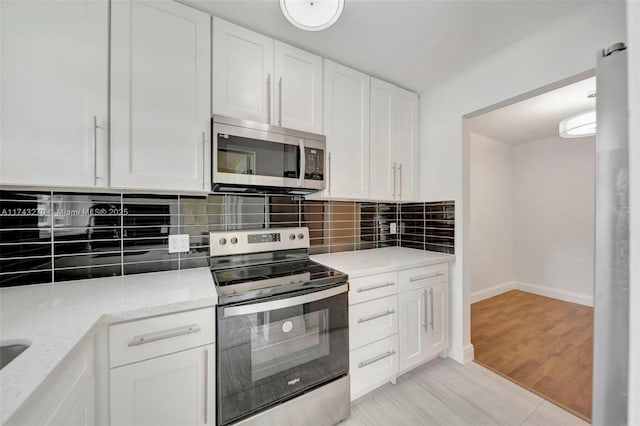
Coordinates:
[567,296]
[461,354]
[477,296]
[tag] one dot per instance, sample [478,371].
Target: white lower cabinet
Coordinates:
[169,390]
[373,365]
[397,321]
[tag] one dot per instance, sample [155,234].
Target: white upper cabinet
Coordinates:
[242,73]
[54,93]
[346,125]
[394,143]
[298,87]
[160,96]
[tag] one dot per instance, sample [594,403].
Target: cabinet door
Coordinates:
[346,125]
[298,87]
[413,328]
[406,133]
[242,73]
[83,411]
[160,96]
[384,156]
[170,390]
[54,90]
[437,319]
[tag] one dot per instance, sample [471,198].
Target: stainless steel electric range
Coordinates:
[282,331]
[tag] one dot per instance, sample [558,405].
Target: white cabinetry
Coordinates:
[346,125]
[394,143]
[170,390]
[423,314]
[160,96]
[54,93]
[259,79]
[163,370]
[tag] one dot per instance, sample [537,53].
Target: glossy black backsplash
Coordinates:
[57,236]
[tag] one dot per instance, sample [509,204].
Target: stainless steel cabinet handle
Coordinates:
[431,306]
[328,173]
[269,98]
[376,358]
[280,102]
[206,386]
[424,277]
[303,162]
[204,161]
[376,316]
[164,334]
[95,150]
[375,286]
[393,168]
[425,325]
[400,181]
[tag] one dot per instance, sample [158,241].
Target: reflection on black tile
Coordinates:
[24,250]
[86,273]
[25,264]
[196,262]
[25,210]
[132,256]
[90,259]
[245,211]
[26,278]
[139,268]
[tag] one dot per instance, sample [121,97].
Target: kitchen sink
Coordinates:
[9,350]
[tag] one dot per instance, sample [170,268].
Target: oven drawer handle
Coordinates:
[376,316]
[424,277]
[376,286]
[164,334]
[233,311]
[377,358]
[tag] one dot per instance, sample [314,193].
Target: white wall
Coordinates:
[560,52]
[492,216]
[554,183]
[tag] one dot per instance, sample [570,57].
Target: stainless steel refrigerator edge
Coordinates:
[611,292]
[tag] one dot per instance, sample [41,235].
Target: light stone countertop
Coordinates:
[377,261]
[55,317]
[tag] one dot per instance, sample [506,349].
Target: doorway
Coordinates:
[532,245]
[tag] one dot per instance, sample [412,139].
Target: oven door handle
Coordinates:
[233,311]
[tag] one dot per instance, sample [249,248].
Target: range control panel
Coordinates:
[223,243]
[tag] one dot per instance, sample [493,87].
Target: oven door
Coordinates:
[272,351]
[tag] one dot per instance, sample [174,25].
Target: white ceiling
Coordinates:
[415,44]
[537,117]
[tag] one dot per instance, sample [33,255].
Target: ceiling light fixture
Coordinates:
[578,126]
[312,15]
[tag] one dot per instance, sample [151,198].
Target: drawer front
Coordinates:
[147,338]
[372,287]
[372,320]
[411,279]
[373,365]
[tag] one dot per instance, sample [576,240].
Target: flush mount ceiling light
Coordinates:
[578,126]
[312,15]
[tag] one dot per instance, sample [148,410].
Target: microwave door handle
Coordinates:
[303,162]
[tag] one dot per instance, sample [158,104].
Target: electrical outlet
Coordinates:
[178,243]
[393,228]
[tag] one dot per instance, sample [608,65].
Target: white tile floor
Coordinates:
[444,392]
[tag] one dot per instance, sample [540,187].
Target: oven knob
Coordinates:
[222,241]
[300,236]
[292,236]
[234,240]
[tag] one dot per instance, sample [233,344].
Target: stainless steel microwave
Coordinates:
[250,156]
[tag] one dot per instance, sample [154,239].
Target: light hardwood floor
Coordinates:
[543,344]
[443,392]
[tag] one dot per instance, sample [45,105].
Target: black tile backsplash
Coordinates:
[57,236]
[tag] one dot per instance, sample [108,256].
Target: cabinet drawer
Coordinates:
[372,320]
[147,338]
[373,365]
[422,277]
[372,287]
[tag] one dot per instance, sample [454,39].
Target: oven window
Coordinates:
[246,156]
[281,340]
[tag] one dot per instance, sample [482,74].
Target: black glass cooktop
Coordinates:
[249,282]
